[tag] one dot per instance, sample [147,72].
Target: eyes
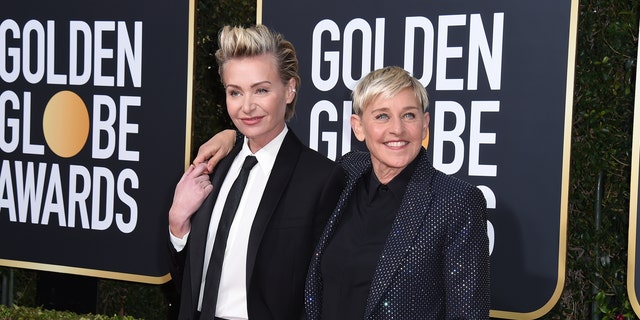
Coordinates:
[233,92]
[383,116]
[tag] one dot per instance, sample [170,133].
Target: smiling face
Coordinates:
[256,97]
[393,129]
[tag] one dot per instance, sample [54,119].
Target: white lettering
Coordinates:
[77,28]
[347,55]
[13,124]
[127,227]
[33,52]
[330,138]
[98,207]
[422,23]
[126,128]
[33,26]
[100,53]
[476,138]
[479,46]
[79,198]
[440,136]
[54,191]
[445,52]
[52,77]
[128,54]
[6,191]
[29,191]
[10,56]
[332,57]
[105,126]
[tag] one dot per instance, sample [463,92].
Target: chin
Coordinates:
[401,163]
[250,132]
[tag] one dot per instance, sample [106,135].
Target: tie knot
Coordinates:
[249,162]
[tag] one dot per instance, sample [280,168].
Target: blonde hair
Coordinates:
[386,82]
[241,42]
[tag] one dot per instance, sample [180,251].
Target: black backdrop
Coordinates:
[509,134]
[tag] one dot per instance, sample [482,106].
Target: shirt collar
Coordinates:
[397,186]
[266,155]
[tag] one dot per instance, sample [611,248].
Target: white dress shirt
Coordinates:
[232,295]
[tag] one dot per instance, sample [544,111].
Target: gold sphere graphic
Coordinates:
[65,124]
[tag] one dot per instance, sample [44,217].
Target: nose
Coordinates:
[396,126]
[248,104]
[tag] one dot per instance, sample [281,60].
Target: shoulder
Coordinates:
[355,156]
[443,180]
[444,187]
[355,162]
[307,157]
[454,190]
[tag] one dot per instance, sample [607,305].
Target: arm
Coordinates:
[192,189]
[216,148]
[467,252]
[194,186]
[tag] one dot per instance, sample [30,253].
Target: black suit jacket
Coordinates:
[301,191]
[435,262]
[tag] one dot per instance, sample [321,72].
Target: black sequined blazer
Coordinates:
[435,263]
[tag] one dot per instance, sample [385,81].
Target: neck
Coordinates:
[257,143]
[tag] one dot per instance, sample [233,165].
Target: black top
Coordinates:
[351,257]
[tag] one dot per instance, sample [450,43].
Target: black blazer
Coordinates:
[301,191]
[435,262]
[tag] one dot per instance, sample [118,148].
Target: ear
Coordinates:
[356,126]
[425,125]
[291,90]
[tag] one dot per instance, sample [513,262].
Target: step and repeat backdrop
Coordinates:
[500,79]
[94,105]
[95,102]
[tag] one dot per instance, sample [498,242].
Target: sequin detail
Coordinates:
[435,263]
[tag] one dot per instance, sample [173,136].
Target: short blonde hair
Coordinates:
[386,82]
[241,42]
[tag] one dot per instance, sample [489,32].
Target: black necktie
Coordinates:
[217,255]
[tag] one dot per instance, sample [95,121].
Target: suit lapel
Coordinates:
[281,173]
[403,234]
[202,218]
[313,287]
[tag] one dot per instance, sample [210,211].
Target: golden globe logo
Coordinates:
[65,124]
[55,192]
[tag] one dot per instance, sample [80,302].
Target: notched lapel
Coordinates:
[403,234]
[279,178]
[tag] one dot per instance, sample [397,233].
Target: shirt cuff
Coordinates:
[178,243]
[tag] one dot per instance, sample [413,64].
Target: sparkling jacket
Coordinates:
[435,262]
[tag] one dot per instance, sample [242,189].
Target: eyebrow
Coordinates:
[257,84]
[405,108]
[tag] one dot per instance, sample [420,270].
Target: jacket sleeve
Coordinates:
[176,263]
[328,200]
[467,258]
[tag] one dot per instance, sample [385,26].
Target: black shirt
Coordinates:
[351,257]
